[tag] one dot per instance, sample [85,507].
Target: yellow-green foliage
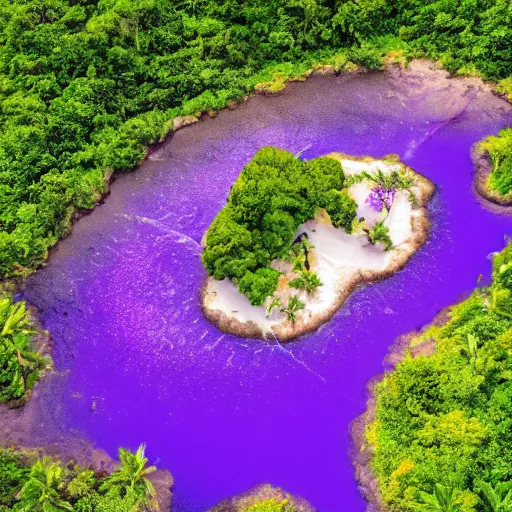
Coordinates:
[447,418]
[49,485]
[505,87]
[500,152]
[271,505]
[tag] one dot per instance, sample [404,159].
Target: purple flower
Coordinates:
[380,197]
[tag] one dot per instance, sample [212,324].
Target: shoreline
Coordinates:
[482,169]
[346,279]
[360,450]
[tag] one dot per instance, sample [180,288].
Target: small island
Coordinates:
[492,158]
[296,237]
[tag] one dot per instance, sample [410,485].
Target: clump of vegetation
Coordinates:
[500,153]
[48,485]
[307,280]
[20,365]
[274,194]
[379,233]
[294,305]
[442,432]
[271,505]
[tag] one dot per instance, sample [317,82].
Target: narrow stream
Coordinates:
[137,360]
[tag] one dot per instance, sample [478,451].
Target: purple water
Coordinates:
[137,360]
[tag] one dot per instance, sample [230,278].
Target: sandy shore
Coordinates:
[342,261]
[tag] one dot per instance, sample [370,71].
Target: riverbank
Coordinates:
[342,261]
[483,169]
[25,426]
[437,414]
[361,449]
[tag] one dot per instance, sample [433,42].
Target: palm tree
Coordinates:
[273,304]
[15,332]
[13,318]
[294,305]
[441,500]
[470,351]
[41,492]
[498,499]
[130,478]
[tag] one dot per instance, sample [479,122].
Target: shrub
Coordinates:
[273,195]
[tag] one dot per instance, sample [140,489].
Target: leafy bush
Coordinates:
[380,233]
[271,505]
[366,55]
[19,363]
[259,285]
[50,486]
[500,153]
[13,474]
[273,195]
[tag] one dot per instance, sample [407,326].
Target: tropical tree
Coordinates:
[17,359]
[470,352]
[441,500]
[294,305]
[308,281]
[380,233]
[497,499]
[41,493]
[131,478]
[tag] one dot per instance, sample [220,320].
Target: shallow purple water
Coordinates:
[138,361]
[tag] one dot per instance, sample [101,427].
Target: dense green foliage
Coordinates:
[380,233]
[13,475]
[443,429]
[500,153]
[48,486]
[85,85]
[273,195]
[19,363]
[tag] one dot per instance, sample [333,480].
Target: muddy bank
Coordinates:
[35,425]
[361,450]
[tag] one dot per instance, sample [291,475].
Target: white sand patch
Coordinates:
[342,261]
[399,219]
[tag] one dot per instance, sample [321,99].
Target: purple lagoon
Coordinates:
[135,359]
